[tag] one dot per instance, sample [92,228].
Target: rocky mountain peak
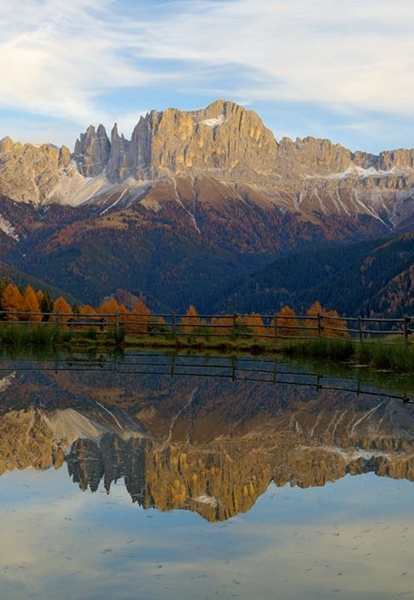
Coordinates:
[224,139]
[29,172]
[92,151]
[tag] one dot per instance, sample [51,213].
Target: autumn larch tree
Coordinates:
[255,324]
[62,311]
[191,320]
[31,305]
[287,323]
[139,319]
[331,325]
[222,325]
[12,302]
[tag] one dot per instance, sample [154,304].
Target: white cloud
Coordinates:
[361,54]
[64,59]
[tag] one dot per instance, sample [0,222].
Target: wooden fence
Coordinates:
[236,326]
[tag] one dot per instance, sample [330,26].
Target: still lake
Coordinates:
[147,476]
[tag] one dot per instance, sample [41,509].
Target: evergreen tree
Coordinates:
[46,305]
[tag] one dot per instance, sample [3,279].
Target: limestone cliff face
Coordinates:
[229,145]
[92,151]
[221,145]
[224,139]
[28,173]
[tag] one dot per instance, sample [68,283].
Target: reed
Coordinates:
[396,356]
[334,349]
[42,335]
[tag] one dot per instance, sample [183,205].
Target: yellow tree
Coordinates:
[87,316]
[31,305]
[39,296]
[87,309]
[191,320]
[222,325]
[312,323]
[287,322]
[255,323]
[334,326]
[139,318]
[329,323]
[62,311]
[109,308]
[12,302]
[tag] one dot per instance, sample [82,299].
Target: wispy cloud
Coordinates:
[63,59]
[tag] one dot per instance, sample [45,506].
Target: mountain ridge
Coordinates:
[193,202]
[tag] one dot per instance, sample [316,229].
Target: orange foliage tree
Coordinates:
[138,320]
[12,302]
[222,325]
[191,320]
[61,311]
[254,323]
[31,305]
[109,308]
[331,325]
[286,323]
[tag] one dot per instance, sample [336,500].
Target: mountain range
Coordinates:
[198,207]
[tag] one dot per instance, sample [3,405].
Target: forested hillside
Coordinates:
[367,278]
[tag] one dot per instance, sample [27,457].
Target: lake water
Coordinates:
[149,477]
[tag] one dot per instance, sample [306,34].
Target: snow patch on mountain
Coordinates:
[8,228]
[350,455]
[360,173]
[214,122]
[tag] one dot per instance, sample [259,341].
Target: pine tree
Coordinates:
[46,305]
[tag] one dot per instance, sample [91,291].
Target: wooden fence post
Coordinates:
[319,326]
[117,322]
[234,332]
[173,325]
[276,327]
[406,322]
[361,338]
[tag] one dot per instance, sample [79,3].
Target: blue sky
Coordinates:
[326,68]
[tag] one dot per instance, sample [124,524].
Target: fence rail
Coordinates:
[275,326]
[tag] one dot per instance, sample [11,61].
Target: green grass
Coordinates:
[37,335]
[378,354]
[396,357]
[340,350]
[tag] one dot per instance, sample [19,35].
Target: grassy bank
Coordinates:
[378,354]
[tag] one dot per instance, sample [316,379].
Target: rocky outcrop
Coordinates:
[28,173]
[92,151]
[224,139]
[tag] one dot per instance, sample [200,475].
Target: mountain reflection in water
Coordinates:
[206,435]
